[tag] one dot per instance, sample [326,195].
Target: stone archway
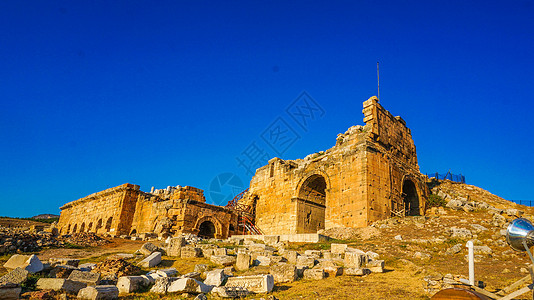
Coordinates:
[209,226]
[98,225]
[410,198]
[75,228]
[311,204]
[207,230]
[108,224]
[82,228]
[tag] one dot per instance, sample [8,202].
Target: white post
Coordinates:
[471,255]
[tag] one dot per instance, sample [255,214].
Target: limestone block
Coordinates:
[338,248]
[253,283]
[151,261]
[215,277]
[177,242]
[64,261]
[313,253]
[291,256]
[377,269]
[263,260]
[375,263]
[229,292]
[354,260]
[243,261]
[201,268]
[9,291]
[17,276]
[194,275]
[305,261]
[356,271]
[223,260]
[283,272]
[148,248]
[60,284]
[88,278]
[314,274]
[162,284]
[107,292]
[188,285]
[130,284]
[190,252]
[31,263]
[220,251]
[170,272]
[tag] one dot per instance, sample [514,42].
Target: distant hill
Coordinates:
[45,216]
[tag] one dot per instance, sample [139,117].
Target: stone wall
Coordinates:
[358,181]
[126,210]
[106,211]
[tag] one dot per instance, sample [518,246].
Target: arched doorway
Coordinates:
[410,198]
[206,230]
[98,225]
[311,204]
[108,224]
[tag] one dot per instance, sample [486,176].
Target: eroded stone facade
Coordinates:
[370,174]
[125,210]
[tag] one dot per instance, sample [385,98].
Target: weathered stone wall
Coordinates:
[178,212]
[106,211]
[360,180]
[125,210]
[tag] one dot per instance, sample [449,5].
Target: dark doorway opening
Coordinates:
[411,200]
[206,230]
[311,205]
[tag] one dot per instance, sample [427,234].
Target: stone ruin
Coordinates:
[370,174]
[125,210]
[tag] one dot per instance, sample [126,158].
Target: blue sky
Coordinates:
[94,94]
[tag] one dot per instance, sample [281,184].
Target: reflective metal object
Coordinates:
[520,233]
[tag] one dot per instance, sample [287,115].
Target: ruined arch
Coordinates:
[98,225]
[206,229]
[210,223]
[75,228]
[68,229]
[311,203]
[90,227]
[82,228]
[410,197]
[108,224]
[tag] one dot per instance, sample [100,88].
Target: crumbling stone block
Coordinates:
[107,292]
[31,263]
[151,261]
[88,278]
[283,272]
[130,284]
[254,283]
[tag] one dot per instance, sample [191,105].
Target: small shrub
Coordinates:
[435,201]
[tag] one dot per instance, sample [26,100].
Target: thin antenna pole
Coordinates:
[378,80]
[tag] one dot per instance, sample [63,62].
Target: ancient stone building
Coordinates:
[370,174]
[125,210]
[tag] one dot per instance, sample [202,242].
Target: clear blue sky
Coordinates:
[99,93]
